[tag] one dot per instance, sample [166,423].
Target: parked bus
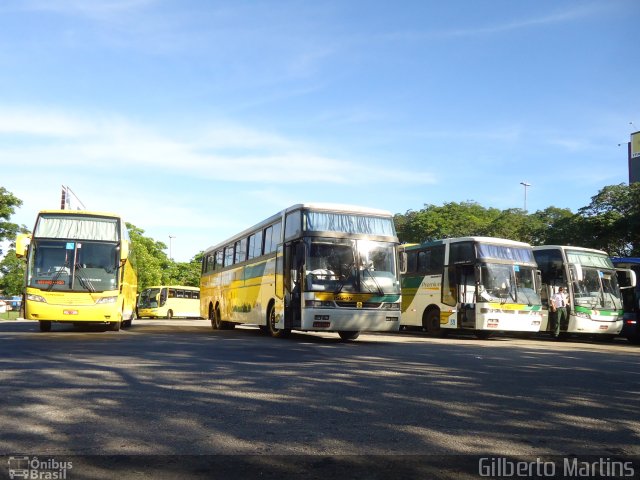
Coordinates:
[590,281]
[79,269]
[476,284]
[310,267]
[169,301]
[630,300]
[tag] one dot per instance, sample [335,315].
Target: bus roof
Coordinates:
[329,207]
[629,260]
[491,240]
[80,212]
[570,247]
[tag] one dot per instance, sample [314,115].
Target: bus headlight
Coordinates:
[36,298]
[104,300]
[583,315]
[318,304]
[391,306]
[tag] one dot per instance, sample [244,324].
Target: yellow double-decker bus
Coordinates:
[169,301]
[79,269]
[310,267]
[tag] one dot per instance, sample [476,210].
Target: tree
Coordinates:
[8,204]
[151,261]
[11,274]
[156,268]
[612,220]
[450,220]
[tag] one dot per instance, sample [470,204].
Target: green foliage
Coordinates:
[8,204]
[156,268]
[611,222]
[12,271]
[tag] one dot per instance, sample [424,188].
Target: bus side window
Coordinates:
[411,262]
[422,262]
[179,293]
[172,293]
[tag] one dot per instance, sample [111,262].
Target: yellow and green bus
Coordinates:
[169,301]
[309,267]
[475,284]
[591,282]
[79,269]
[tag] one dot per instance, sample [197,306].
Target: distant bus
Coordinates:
[310,267]
[169,301]
[630,300]
[79,269]
[475,284]
[591,282]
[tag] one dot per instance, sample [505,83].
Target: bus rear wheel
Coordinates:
[45,325]
[344,335]
[214,316]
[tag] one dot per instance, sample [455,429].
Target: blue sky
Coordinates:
[197,119]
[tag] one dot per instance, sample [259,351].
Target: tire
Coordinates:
[169,314]
[273,330]
[128,323]
[114,326]
[214,316]
[45,325]
[347,335]
[431,322]
[482,334]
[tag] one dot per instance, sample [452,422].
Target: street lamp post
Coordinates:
[171,237]
[525,185]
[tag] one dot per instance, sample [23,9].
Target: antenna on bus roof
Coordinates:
[66,200]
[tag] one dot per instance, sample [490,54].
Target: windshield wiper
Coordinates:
[375,281]
[56,277]
[85,282]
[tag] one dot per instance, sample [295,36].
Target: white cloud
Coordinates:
[224,152]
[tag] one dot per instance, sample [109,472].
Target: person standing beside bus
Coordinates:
[559,306]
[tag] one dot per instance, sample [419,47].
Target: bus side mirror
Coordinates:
[22,244]
[124,250]
[626,278]
[538,282]
[402,259]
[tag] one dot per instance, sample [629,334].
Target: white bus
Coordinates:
[310,267]
[590,279]
[169,301]
[477,284]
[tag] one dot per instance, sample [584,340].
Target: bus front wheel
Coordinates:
[169,314]
[274,331]
[348,335]
[45,325]
[431,321]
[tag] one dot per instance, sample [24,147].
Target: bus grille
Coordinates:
[355,304]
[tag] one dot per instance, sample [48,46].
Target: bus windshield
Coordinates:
[347,265]
[508,283]
[595,288]
[67,265]
[149,298]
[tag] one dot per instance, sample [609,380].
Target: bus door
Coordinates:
[459,290]
[293,277]
[466,280]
